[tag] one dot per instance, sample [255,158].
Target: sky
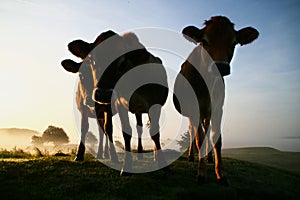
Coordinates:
[262,93]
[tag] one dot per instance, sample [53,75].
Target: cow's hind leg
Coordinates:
[139,127]
[108,128]
[209,148]
[101,128]
[106,148]
[101,137]
[154,115]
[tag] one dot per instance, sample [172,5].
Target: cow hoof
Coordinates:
[201,180]
[123,173]
[78,159]
[223,181]
[191,159]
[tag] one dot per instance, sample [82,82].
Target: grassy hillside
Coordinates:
[61,178]
[267,156]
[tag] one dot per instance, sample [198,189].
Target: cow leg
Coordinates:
[108,128]
[103,128]
[199,138]
[101,137]
[139,127]
[209,149]
[84,130]
[217,145]
[191,157]
[106,148]
[154,115]
[127,134]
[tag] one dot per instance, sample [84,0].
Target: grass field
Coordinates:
[50,177]
[267,156]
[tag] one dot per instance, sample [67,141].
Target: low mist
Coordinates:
[15,137]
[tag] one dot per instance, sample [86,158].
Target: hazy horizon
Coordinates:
[17,139]
[262,93]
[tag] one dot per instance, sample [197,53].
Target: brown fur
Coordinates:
[218,38]
[133,54]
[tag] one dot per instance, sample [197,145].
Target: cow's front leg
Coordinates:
[199,138]
[84,130]
[127,134]
[217,145]
[191,157]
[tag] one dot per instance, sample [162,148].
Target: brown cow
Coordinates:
[137,82]
[202,73]
[83,96]
[87,107]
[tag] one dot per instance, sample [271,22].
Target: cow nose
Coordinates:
[223,67]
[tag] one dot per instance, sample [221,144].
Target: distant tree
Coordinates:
[91,138]
[37,140]
[184,142]
[55,135]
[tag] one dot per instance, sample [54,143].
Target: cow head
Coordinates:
[86,84]
[112,58]
[219,39]
[89,67]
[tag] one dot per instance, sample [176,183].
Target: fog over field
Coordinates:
[20,138]
[16,137]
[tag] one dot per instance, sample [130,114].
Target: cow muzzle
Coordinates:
[223,67]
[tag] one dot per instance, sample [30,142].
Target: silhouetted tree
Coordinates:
[184,142]
[37,140]
[55,135]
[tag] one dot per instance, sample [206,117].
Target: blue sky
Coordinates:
[263,92]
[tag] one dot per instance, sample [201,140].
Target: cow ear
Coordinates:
[246,35]
[70,65]
[103,36]
[193,34]
[80,48]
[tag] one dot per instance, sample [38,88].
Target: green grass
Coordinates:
[14,153]
[51,177]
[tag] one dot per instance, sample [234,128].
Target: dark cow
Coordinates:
[84,101]
[203,72]
[135,81]
[87,106]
